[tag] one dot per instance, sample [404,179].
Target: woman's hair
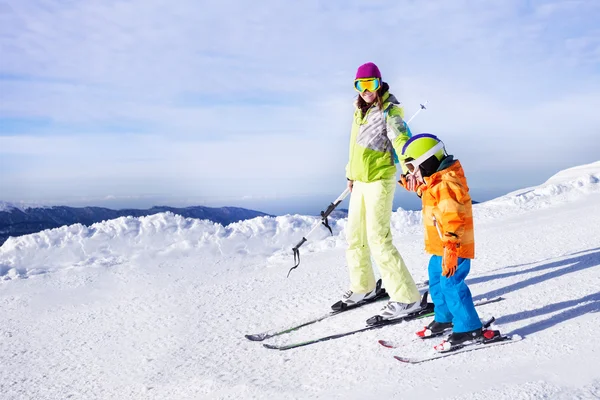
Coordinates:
[364,106]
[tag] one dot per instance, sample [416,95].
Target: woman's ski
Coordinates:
[381,295]
[424,312]
[257,337]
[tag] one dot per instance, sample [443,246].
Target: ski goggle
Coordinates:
[413,164]
[370,84]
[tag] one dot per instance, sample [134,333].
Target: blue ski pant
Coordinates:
[451,296]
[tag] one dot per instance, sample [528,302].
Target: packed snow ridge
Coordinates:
[110,243]
[561,188]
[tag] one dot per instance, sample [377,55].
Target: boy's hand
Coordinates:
[409,182]
[450,259]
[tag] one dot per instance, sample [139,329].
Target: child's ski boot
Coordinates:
[459,340]
[434,329]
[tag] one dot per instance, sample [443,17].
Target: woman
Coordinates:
[378,133]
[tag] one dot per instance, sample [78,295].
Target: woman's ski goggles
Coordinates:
[370,84]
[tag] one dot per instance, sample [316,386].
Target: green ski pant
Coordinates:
[368,234]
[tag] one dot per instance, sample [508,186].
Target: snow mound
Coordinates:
[108,243]
[105,243]
[591,171]
[564,187]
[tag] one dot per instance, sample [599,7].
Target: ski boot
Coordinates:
[434,329]
[395,310]
[461,339]
[351,299]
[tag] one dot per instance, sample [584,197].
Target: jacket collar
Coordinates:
[448,164]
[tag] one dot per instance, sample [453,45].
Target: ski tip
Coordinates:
[402,359]
[256,337]
[270,346]
[486,300]
[387,344]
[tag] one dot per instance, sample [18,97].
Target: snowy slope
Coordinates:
[563,187]
[156,307]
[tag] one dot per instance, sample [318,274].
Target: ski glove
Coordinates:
[450,259]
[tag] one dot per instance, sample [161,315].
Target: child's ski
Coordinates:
[391,345]
[497,341]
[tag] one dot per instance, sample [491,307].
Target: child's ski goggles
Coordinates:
[413,165]
[370,84]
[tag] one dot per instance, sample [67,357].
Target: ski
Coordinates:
[496,341]
[382,295]
[258,337]
[425,312]
[391,345]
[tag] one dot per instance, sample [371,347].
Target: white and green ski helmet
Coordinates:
[421,148]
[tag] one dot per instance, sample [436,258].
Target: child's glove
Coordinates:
[409,182]
[450,259]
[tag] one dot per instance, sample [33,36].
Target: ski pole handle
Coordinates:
[336,203]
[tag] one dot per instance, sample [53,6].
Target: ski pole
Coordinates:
[324,221]
[422,107]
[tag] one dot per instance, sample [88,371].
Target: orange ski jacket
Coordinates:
[448,212]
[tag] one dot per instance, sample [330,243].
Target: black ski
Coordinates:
[425,312]
[381,295]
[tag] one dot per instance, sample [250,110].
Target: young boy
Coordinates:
[447,215]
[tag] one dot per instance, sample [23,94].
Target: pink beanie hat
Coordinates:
[368,70]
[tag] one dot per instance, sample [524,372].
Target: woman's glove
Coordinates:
[450,259]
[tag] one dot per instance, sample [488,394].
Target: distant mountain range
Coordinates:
[16,221]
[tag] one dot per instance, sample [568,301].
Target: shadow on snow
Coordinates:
[571,308]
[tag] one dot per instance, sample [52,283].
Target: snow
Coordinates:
[5,206]
[157,307]
[22,205]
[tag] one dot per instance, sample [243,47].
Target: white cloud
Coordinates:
[184,73]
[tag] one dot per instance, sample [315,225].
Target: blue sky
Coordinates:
[129,103]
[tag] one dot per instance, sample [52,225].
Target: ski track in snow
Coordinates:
[157,307]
